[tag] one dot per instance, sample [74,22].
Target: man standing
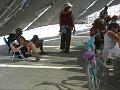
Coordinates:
[104,12]
[66,27]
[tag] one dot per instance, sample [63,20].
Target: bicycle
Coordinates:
[91,69]
[96,70]
[103,72]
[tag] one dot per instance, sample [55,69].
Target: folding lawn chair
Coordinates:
[13,50]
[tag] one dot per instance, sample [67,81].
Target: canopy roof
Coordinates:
[20,13]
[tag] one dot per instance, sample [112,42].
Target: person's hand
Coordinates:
[74,31]
[119,43]
[17,49]
[60,33]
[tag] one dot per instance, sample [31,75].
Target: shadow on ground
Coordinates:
[113,84]
[68,84]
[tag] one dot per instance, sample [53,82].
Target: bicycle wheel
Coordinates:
[102,72]
[91,78]
[104,77]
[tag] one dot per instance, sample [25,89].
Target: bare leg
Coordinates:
[33,48]
[39,44]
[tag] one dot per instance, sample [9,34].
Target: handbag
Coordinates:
[64,29]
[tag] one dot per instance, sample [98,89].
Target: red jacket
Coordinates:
[66,18]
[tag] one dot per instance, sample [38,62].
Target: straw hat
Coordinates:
[67,5]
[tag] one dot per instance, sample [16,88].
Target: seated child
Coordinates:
[38,43]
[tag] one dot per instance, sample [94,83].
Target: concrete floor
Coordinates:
[55,71]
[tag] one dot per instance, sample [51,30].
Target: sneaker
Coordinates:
[67,52]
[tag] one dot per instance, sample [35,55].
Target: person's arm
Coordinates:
[60,22]
[118,33]
[114,36]
[13,48]
[60,19]
[21,40]
[74,30]
[20,47]
[72,26]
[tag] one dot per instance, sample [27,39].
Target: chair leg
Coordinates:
[13,56]
[22,56]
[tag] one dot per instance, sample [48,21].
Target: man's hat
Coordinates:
[67,5]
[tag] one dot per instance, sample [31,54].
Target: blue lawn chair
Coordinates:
[12,51]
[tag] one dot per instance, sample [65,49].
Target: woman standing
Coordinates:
[111,38]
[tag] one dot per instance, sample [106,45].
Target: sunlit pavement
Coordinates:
[55,71]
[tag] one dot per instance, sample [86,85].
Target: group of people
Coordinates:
[20,43]
[26,46]
[105,25]
[108,30]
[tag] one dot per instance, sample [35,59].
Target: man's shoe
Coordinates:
[37,58]
[67,52]
[62,51]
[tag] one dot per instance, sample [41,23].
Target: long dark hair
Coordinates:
[11,38]
[113,25]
